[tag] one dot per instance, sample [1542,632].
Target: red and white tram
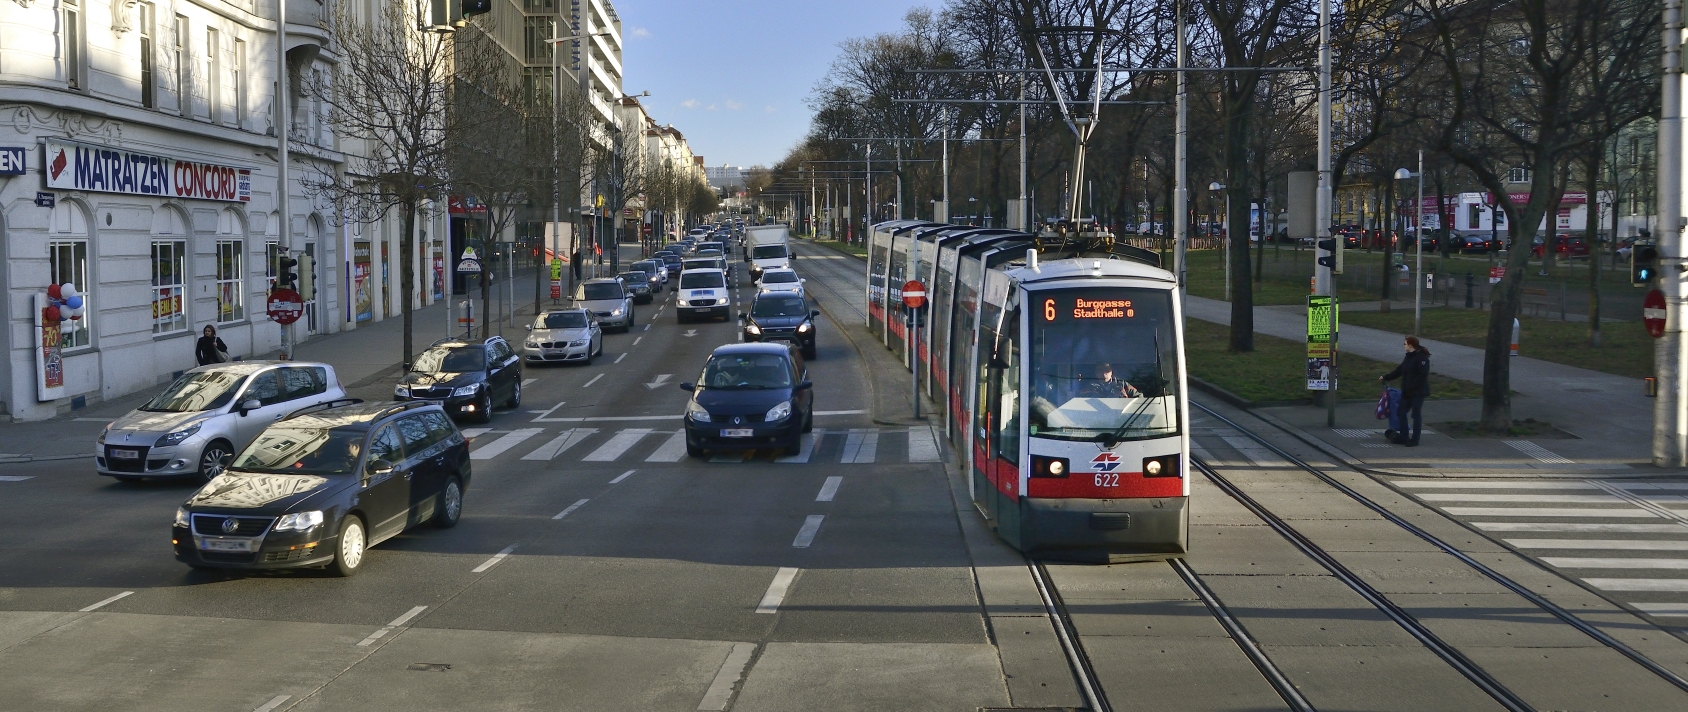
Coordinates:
[1060,376]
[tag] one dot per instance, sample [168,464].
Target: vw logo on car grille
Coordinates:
[230,525]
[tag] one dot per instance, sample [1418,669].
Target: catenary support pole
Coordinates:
[1418,254]
[1670,423]
[1181,192]
[1324,282]
[284,228]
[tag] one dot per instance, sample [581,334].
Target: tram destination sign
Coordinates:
[103,169]
[1085,309]
[1321,342]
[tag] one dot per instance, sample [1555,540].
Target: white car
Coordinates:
[564,335]
[702,293]
[781,280]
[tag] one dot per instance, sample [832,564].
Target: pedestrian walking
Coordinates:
[1414,373]
[210,349]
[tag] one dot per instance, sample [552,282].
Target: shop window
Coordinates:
[231,292]
[68,262]
[169,282]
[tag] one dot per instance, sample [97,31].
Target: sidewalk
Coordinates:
[1611,419]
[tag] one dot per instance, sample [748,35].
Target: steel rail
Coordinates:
[1240,636]
[1068,635]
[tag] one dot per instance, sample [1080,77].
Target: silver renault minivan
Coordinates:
[197,424]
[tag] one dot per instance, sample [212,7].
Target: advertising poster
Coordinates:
[439,276]
[1321,343]
[364,302]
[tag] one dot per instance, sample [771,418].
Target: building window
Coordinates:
[1518,175]
[169,281]
[239,77]
[184,68]
[213,76]
[149,89]
[535,30]
[231,293]
[74,43]
[67,260]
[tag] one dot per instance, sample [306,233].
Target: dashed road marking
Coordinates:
[622,476]
[829,489]
[571,508]
[595,379]
[636,341]
[108,601]
[619,358]
[496,558]
[806,535]
[777,590]
[503,444]
[273,703]
[529,381]
[15,478]
[396,624]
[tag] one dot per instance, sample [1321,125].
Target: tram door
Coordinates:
[997,420]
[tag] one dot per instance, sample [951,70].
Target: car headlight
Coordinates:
[177,437]
[181,516]
[580,342]
[401,391]
[301,521]
[754,329]
[532,344]
[696,412]
[779,412]
[617,312]
[468,390]
[805,327]
[100,439]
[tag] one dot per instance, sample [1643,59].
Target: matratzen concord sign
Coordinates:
[76,166]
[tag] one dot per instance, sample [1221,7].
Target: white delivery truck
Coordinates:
[766,247]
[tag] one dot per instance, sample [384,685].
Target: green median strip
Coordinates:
[1276,371]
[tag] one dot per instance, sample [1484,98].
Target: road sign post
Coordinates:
[914,297]
[284,306]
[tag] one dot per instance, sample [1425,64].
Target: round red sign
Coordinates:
[285,306]
[1653,313]
[914,294]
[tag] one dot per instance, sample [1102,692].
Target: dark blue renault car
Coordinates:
[750,396]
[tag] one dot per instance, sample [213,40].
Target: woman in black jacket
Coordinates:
[210,349]
[1414,373]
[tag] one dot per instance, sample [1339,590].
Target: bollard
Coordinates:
[1514,336]
[1470,291]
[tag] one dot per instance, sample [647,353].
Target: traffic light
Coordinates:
[1327,246]
[307,277]
[1643,264]
[286,272]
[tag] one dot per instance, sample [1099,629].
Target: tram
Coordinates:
[1058,368]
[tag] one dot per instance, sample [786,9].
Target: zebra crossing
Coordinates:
[857,446]
[1590,530]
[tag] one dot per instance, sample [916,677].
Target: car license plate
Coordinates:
[226,545]
[125,454]
[737,433]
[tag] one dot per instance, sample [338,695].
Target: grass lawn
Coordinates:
[1207,279]
[1277,369]
[1627,349]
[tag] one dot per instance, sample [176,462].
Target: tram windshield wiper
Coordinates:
[1112,439]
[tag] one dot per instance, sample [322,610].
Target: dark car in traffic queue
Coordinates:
[656,273]
[321,486]
[750,396]
[638,283]
[466,377]
[781,316]
[671,260]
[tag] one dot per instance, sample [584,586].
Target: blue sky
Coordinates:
[734,76]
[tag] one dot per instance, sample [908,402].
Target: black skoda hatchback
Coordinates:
[322,485]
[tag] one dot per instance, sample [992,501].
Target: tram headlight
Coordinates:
[1050,466]
[1163,466]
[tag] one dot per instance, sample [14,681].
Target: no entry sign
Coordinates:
[1653,313]
[914,294]
[285,306]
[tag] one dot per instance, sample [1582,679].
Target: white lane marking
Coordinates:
[390,627]
[861,446]
[472,433]
[273,703]
[839,412]
[829,489]
[922,447]
[1546,512]
[673,449]
[1255,452]
[691,332]
[1660,585]
[622,476]
[1620,544]
[1538,452]
[529,381]
[1662,609]
[1534,498]
[776,590]
[1489,484]
[661,379]
[569,438]
[618,445]
[647,327]
[544,413]
[622,356]
[503,444]
[570,509]
[616,418]
[595,379]
[489,563]
[806,535]
[1580,562]
[807,450]
[113,599]
[636,341]
[1581,527]
[732,669]
[15,478]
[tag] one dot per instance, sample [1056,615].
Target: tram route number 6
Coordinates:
[1049,314]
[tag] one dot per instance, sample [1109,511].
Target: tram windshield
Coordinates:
[1104,364]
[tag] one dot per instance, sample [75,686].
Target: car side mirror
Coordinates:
[687,386]
[380,467]
[804,385]
[248,405]
[741,317]
[530,327]
[814,313]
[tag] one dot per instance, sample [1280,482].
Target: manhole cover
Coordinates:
[429,667]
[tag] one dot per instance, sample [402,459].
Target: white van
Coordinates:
[767,247]
[702,293]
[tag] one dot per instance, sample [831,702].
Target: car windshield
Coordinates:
[747,372]
[196,392]
[779,277]
[701,280]
[600,291]
[634,277]
[768,252]
[562,320]
[461,359]
[779,306]
[1104,365]
[314,451]
[672,259]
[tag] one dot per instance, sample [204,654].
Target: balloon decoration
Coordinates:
[63,302]
[54,291]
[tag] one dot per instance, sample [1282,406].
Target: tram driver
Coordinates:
[1105,385]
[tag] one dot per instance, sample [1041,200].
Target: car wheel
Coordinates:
[589,355]
[451,504]
[809,351]
[349,547]
[693,450]
[483,407]
[214,459]
[515,393]
[809,422]
[632,318]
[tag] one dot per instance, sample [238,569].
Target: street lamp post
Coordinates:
[1225,254]
[1418,238]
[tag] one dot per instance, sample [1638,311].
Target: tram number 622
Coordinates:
[1106,480]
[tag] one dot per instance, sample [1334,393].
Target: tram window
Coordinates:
[1104,365]
[1007,436]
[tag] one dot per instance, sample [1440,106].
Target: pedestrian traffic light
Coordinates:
[306,277]
[286,272]
[1327,260]
[1643,264]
